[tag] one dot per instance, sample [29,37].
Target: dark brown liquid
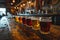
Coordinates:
[24,20]
[45,26]
[29,22]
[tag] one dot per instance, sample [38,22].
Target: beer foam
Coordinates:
[34,18]
[39,18]
[28,18]
[46,20]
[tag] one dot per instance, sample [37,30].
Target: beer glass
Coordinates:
[45,23]
[20,19]
[35,23]
[29,21]
[17,19]
[24,20]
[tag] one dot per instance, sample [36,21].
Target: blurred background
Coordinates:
[29,19]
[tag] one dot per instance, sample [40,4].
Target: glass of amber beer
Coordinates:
[35,23]
[17,18]
[20,19]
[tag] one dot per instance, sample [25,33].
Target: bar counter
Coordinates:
[29,34]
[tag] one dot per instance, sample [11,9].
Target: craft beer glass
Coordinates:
[45,24]
[35,23]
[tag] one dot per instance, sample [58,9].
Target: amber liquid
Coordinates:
[17,19]
[35,24]
[20,19]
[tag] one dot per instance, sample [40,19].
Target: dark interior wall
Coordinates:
[2,0]
[2,6]
[2,3]
[56,20]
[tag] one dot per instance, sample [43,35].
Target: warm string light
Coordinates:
[23,4]
[32,3]
[13,1]
[29,2]
[15,7]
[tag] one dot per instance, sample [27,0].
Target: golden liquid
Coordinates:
[17,18]
[35,24]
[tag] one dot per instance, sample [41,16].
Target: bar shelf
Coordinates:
[38,15]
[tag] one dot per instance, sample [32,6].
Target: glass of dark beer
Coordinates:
[45,25]
[29,21]
[24,20]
